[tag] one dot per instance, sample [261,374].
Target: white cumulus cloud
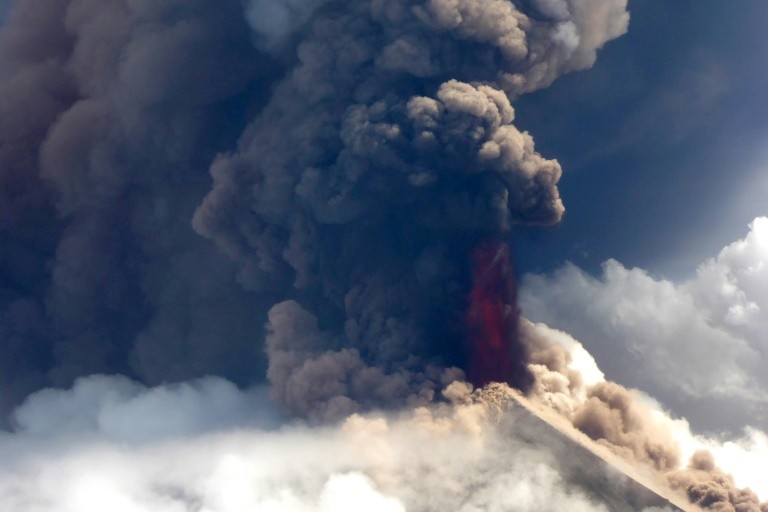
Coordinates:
[699,346]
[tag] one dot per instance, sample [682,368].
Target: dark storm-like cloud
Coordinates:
[111,113]
[363,149]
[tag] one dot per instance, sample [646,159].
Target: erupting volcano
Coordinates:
[495,353]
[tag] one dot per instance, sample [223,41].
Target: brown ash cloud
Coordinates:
[357,152]
[385,155]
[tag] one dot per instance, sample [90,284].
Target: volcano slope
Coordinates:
[591,468]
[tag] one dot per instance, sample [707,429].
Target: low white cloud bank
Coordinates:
[207,446]
[118,409]
[110,443]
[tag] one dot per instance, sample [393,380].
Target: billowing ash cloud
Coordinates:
[112,112]
[383,157]
[360,151]
[603,410]
[711,488]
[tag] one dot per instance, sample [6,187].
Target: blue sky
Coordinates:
[662,141]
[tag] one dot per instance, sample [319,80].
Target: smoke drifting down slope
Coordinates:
[616,418]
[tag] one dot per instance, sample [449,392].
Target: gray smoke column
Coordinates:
[384,156]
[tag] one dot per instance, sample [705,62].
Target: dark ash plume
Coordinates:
[360,151]
[383,158]
[111,113]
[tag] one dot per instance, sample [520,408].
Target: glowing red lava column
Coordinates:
[495,353]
